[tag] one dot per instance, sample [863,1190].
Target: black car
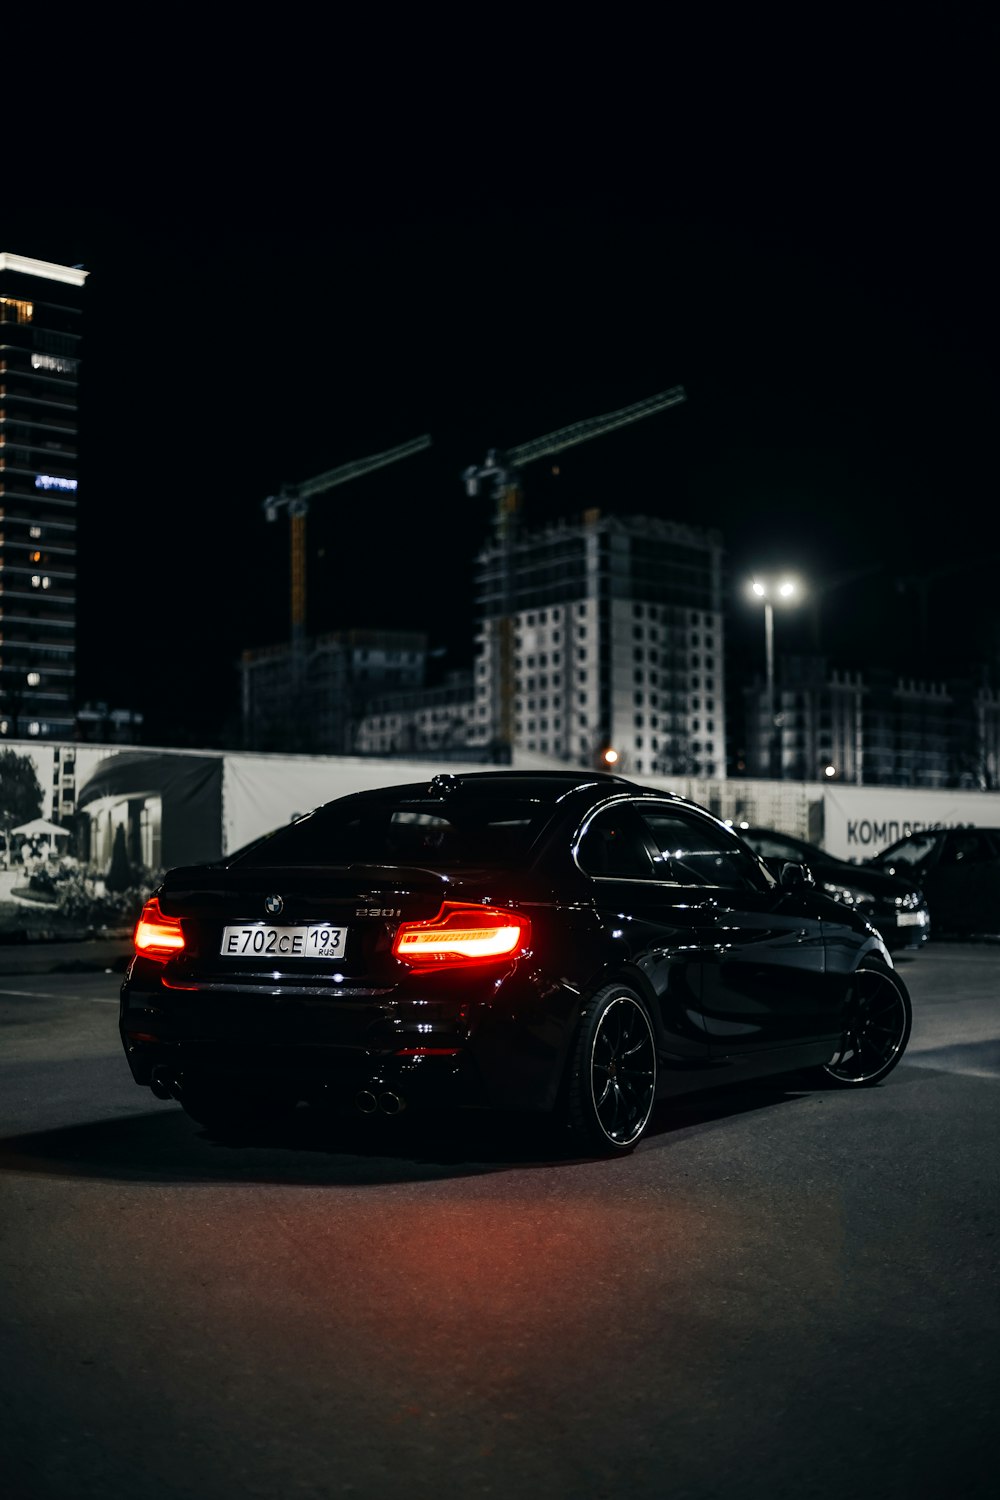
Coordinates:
[893,903]
[564,943]
[958,870]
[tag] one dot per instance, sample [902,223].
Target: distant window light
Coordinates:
[36,580]
[53,362]
[34,678]
[54,482]
[16,310]
[35,532]
[34,727]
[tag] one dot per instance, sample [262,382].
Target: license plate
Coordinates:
[911,919]
[316,940]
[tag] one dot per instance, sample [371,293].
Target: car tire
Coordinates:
[611,1076]
[879,1018]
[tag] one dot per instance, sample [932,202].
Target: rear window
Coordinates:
[437,835]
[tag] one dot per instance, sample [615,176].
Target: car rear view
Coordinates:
[354,956]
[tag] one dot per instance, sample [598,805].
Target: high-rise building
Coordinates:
[616,625]
[315,706]
[41,307]
[871,727]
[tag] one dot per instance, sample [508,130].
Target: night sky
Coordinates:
[291,268]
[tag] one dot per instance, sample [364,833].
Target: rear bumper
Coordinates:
[493,1041]
[909,930]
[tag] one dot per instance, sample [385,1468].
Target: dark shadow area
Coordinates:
[318,1148]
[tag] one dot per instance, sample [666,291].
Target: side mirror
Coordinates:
[794,875]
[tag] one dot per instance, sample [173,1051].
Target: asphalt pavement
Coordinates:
[80,956]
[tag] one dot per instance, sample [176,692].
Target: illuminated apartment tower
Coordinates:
[40,316]
[618,645]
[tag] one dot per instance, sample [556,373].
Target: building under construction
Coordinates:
[308,697]
[618,648]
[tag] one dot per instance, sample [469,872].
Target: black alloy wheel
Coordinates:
[879,1017]
[612,1072]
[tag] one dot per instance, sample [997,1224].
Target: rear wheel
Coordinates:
[878,1021]
[611,1083]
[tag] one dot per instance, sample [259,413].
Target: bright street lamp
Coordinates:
[786,591]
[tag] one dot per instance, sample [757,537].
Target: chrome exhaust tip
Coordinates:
[366,1101]
[391,1104]
[163,1083]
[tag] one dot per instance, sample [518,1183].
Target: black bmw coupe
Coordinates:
[566,943]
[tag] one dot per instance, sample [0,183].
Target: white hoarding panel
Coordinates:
[860,821]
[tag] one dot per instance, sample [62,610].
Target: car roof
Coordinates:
[937,833]
[542,786]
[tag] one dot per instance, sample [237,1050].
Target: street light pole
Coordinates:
[786,590]
[769,697]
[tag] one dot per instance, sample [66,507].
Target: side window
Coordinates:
[695,852]
[915,850]
[966,846]
[614,845]
[769,846]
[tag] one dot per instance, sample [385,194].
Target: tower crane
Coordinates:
[295,499]
[502,469]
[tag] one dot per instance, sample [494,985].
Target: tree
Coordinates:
[119,876]
[20,793]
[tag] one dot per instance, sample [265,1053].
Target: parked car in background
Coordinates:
[958,870]
[570,945]
[894,903]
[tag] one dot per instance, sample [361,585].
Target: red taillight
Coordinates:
[157,935]
[462,934]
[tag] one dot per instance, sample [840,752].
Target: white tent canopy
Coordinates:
[39,828]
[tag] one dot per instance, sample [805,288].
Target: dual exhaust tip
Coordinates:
[368,1102]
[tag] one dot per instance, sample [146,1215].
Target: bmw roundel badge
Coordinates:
[273,905]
